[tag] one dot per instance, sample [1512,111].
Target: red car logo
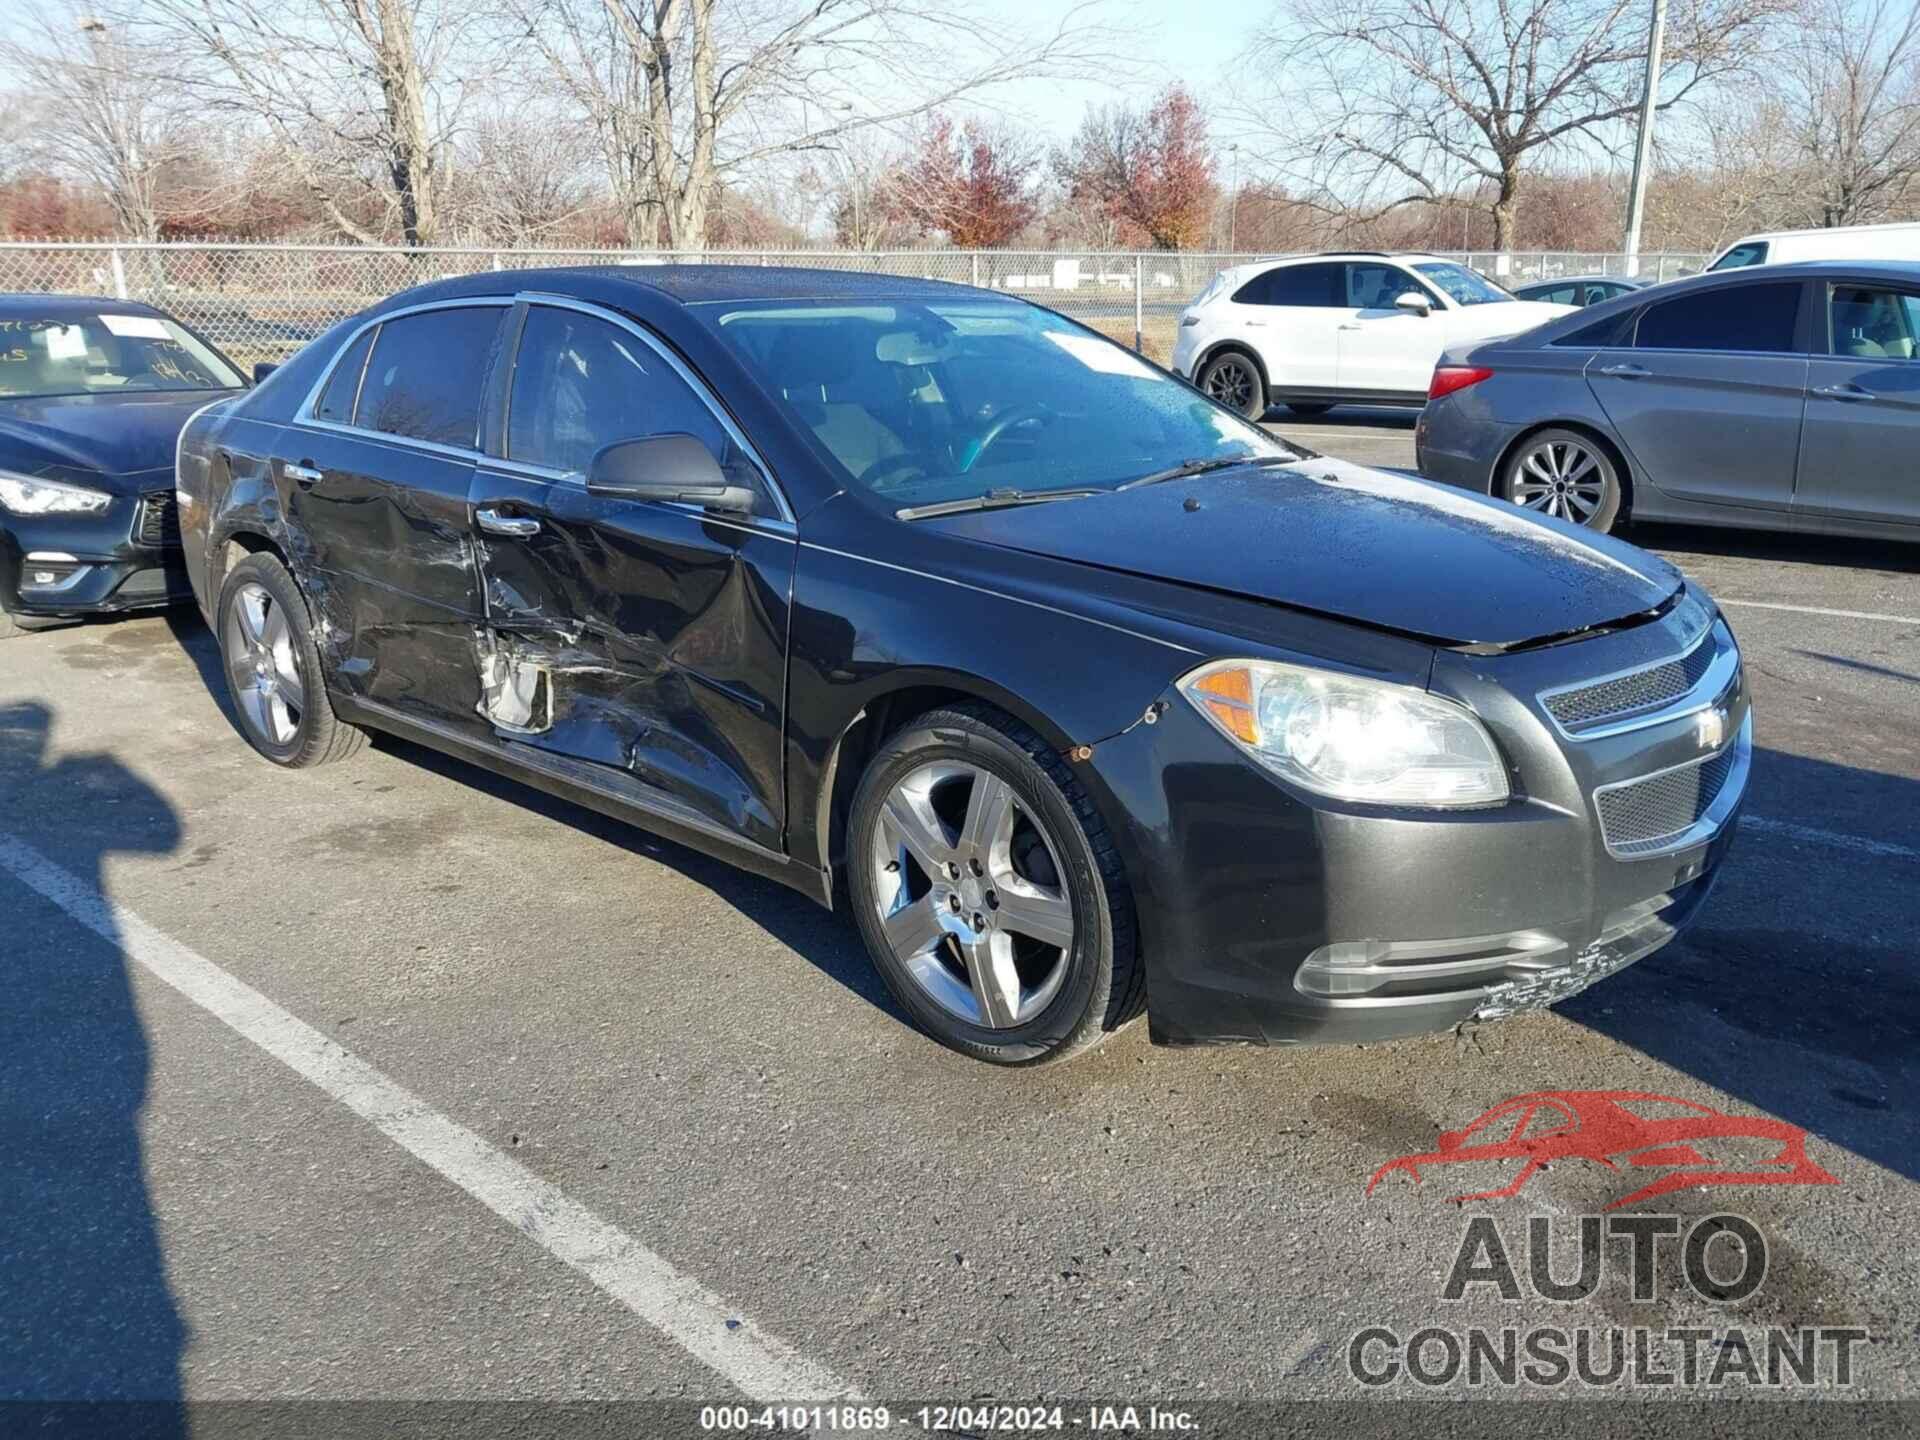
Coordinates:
[1693,1143]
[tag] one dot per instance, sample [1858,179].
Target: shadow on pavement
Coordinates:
[1796,990]
[1894,556]
[85,1309]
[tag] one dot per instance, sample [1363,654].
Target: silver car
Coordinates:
[1781,397]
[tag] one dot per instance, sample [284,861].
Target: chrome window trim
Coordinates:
[1711,820]
[304,415]
[692,381]
[1706,691]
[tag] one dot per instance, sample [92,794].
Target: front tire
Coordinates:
[989,892]
[1567,474]
[1233,378]
[273,668]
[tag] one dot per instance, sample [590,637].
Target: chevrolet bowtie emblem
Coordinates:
[1710,728]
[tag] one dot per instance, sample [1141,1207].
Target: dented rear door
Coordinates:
[646,640]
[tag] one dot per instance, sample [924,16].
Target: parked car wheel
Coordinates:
[1567,474]
[1307,410]
[1233,379]
[989,892]
[273,671]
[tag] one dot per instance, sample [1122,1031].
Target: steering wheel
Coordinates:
[1005,421]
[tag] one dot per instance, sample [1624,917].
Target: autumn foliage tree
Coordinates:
[1150,170]
[972,182]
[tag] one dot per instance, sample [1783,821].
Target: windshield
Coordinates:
[1467,287]
[950,400]
[105,354]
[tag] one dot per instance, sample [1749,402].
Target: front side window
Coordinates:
[581,383]
[1873,324]
[1733,317]
[1376,287]
[106,353]
[1558,295]
[425,376]
[924,402]
[1754,252]
[1463,286]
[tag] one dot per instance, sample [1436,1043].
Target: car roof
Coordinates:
[698,284]
[1588,280]
[78,307]
[1821,230]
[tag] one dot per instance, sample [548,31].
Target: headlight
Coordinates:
[24,495]
[1349,738]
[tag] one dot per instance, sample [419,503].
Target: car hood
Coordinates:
[108,437]
[1326,537]
[1505,317]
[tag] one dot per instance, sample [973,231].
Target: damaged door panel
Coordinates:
[645,638]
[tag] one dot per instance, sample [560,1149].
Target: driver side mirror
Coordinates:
[261,369]
[674,467]
[1413,303]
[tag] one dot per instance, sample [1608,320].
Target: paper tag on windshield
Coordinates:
[1098,354]
[65,342]
[136,327]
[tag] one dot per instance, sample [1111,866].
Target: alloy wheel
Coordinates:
[263,665]
[1231,383]
[1563,478]
[971,895]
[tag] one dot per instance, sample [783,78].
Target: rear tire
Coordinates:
[273,668]
[1567,474]
[1233,378]
[989,892]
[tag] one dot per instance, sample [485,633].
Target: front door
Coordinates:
[1709,397]
[375,480]
[1382,347]
[1863,408]
[643,639]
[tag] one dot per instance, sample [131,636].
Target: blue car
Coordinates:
[93,394]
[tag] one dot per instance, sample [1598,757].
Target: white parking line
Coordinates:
[674,1303]
[1879,849]
[1816,610]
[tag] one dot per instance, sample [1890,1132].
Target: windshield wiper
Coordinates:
[1188,468]
[992,500]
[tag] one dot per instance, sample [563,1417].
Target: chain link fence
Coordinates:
[263,302]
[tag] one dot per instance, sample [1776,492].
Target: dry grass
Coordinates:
[1156,341]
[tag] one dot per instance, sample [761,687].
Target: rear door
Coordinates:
[1292,316]
[1383,347]
[375,473]
[1708,397]
[644,641]
[1863,406]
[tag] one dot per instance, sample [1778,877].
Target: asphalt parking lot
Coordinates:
[397,1081]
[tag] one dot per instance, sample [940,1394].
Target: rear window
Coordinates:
[343,387]
[1753,252]
[1733,317]
[425,375]
[1315,286]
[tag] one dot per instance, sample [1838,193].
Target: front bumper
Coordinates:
[1269,917]
[126,558]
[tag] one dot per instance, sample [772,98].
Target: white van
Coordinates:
[1843,242]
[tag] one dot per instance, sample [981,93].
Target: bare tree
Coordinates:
[98,119]
[1849,92]
[684,93]
[356,94]
[1390,102]
[526,176]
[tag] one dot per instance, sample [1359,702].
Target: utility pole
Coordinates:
[1233,185]
[1643,151]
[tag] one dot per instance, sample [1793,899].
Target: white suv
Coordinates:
[1318,330]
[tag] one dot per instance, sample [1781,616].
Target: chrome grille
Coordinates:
[1645,815]
[158,524]
[1627,694]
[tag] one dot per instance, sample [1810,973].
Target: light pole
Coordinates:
[1233,187]
[1643,151]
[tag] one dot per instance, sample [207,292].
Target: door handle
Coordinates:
[1628,371]
[302,474]
[1848,391]
[495,523]
[1349,327]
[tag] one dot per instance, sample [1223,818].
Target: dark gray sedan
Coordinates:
[1781,397]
